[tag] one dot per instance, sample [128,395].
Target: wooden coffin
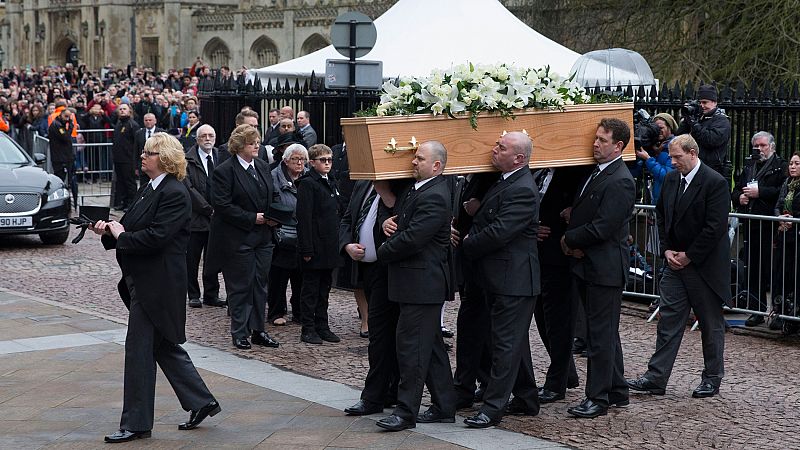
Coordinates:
[381,148]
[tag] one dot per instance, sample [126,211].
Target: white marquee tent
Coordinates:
[417,36]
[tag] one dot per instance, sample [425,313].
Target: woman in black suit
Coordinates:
[240,240]
[151,241]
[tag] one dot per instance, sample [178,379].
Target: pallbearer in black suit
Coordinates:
[692,214]
[360,236]
[596,239]
[416,255]
[151,240]
[555,310]
[200,162]
[240,241]
[502,247]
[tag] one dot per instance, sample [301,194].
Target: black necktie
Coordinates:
[682,188]
[364,212]
[252,171]
[210,165]
[148,135]
[594,175]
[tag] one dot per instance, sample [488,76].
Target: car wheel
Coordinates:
[55,237]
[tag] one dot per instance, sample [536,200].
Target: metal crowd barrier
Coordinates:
[94,170]
[94,167]
[763,263]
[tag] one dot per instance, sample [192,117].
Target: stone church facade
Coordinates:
[172,34]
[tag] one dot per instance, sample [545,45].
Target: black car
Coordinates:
[32,201]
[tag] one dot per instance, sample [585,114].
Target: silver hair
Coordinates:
[203,127]
[762,134]
[521,143]
[294,148]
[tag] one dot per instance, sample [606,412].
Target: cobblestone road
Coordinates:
[758,405]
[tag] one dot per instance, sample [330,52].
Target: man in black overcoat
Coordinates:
[125,157]
[692,214]
[200,162]
[596,239]
[416,254]
[502,247]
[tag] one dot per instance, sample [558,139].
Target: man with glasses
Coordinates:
[318,243]
[201,159]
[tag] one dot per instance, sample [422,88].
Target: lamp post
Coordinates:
[2,57]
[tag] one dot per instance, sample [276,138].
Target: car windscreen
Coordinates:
[10,153]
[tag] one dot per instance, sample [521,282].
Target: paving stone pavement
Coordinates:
[758,405]
[64,390]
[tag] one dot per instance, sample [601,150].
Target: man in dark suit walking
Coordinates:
[502,246]
[200,162]
[597,240]
[140,137]
[125,158]
[692,215]
[150,240]
[416,255]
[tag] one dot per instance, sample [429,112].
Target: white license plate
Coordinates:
[8,222]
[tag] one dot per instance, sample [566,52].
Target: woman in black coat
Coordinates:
[318,243]
[151,241]
[784,296]
[240,241]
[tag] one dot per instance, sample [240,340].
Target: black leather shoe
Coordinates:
[262,338]
[754,320]
[363,408]
[328,336]
[311,338]
[447,333]
[705,389]
[480,420]
[241,343]
[433,415]
[126,436]
[211,409]
[642,384]
[364,334]
[395,423]
[517,408]
[195,303]
[216,301]
[546,396]
[588,410]
[578,347]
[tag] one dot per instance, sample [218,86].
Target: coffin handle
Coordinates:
[394,148]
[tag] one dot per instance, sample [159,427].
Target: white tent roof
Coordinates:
[417,36]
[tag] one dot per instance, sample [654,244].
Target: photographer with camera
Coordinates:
[710,127]
[756,192]
[652,138]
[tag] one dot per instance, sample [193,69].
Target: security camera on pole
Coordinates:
[353,35]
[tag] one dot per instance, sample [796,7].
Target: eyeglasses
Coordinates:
[324,160]
[297,159]
[147,153]
[206,136]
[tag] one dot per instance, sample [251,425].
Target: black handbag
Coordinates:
[286,235]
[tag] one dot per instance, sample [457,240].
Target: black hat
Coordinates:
[283,139]
[282,214]
[707,92]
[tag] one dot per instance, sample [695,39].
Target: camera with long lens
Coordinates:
[645,132]
[691,109]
